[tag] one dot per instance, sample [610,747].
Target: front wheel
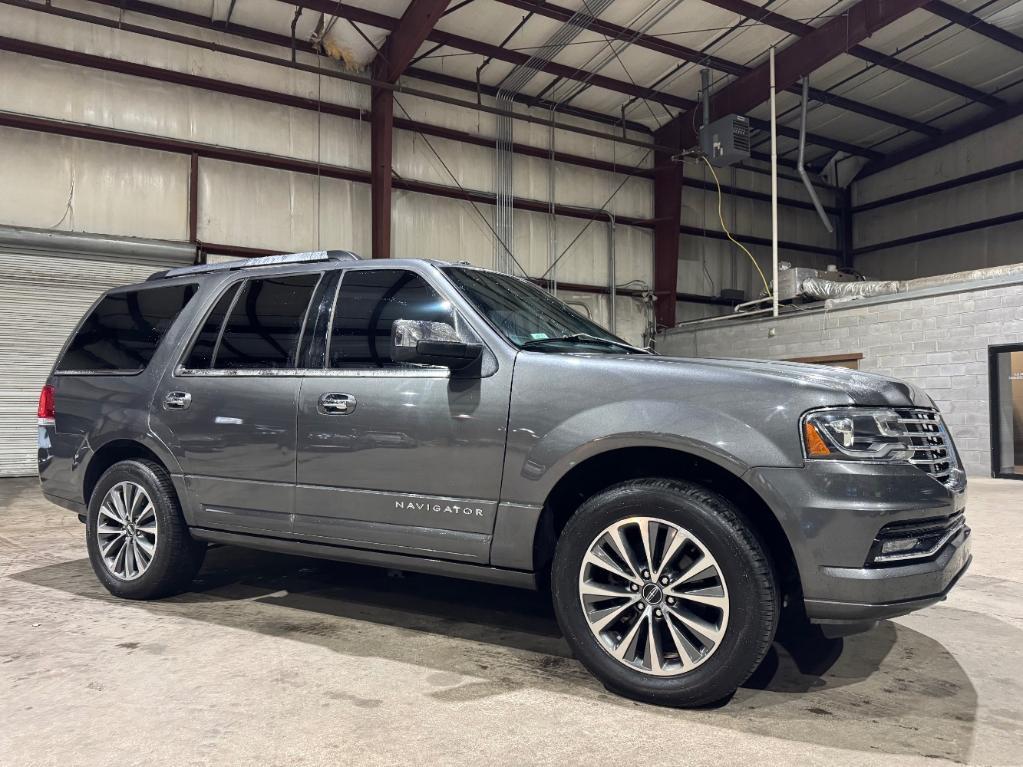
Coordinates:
[664,593]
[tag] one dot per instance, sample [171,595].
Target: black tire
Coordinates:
[754,602]
[177,557]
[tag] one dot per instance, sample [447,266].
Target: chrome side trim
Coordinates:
[182,372]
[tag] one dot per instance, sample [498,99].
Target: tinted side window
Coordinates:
[368,303]
[125,329]
[205,345]
[265,323]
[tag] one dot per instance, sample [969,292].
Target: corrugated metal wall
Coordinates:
[144,193]
[998,196]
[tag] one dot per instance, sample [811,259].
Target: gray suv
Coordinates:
[441,418]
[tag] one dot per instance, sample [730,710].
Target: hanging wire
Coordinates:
[724,226]
[746,24]
[461,188]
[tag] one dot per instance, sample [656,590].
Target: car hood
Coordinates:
[842,385]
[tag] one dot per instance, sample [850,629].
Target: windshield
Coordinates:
[529,317]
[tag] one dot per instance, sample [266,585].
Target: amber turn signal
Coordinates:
[815,444]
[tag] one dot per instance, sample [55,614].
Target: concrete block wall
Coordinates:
[936,339]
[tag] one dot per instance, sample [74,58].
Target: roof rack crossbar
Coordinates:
[248,263]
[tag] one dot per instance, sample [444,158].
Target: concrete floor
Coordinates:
[275,660]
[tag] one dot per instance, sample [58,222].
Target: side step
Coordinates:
[515,578]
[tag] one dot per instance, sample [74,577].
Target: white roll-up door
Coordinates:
[46,285]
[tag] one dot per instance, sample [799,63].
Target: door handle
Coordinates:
[333,403]
[177,400]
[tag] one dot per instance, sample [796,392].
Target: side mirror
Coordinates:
[431,343]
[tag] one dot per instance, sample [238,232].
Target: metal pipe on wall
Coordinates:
[800,161]
[612,269]
[774,192]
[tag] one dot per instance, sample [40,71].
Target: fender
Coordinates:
[535,462]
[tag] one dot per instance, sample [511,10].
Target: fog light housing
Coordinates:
[905,542]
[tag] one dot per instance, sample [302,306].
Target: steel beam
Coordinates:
[139,6]
[160,74]
[800,58]
[912,239]
[800,29]
[411,32]
[692,55]
[941,186]
[253,33]
[470,45]
[392,59]
[381,148]
[193,198]
[975,23]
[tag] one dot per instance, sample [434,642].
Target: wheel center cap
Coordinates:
[652,594]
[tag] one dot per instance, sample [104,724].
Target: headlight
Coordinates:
[865,434]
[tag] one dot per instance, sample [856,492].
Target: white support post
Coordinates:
[774,194]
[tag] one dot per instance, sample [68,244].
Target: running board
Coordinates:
[496,575]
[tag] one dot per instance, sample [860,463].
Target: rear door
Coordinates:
[393,456]
[228,411]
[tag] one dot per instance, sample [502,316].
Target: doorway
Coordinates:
[1005,371]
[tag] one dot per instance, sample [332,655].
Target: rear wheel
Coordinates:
[664,593]
[138,542]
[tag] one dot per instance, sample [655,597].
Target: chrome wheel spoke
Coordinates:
[126,545]
[107,510]
[644,535]
[653,596]
[676,540]
[624,650]
[601,619]
[137,499]
[111,543]
[654,653]
[700,627]
[597,558]
[713,596]
[148,511]
[622,549]
[146,547]
[687,653]
[591,589]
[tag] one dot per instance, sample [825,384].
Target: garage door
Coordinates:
[43,295]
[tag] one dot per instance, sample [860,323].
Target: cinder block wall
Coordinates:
[937,339]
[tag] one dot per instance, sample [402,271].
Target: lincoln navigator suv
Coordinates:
[442,418]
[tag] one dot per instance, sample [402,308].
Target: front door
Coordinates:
[400,457]
[228,413]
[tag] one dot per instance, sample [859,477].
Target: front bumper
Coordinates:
[875,593]
[831,513]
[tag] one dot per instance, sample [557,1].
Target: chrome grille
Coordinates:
[926,436]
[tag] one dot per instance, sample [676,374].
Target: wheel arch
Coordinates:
[603,470]
[112,452]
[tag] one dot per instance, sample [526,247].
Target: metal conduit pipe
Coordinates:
[612,277]
[508,90]
[800,168]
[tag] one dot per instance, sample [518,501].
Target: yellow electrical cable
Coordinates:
[721,218]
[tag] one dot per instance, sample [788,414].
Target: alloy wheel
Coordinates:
[653,596]
[126,530]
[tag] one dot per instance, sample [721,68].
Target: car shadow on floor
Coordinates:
[892,690]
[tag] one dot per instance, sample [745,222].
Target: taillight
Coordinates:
[46,411]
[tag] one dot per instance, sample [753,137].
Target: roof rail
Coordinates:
[247,263]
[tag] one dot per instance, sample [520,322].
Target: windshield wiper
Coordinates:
[585,337]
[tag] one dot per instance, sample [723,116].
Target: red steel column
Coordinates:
[380,149]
